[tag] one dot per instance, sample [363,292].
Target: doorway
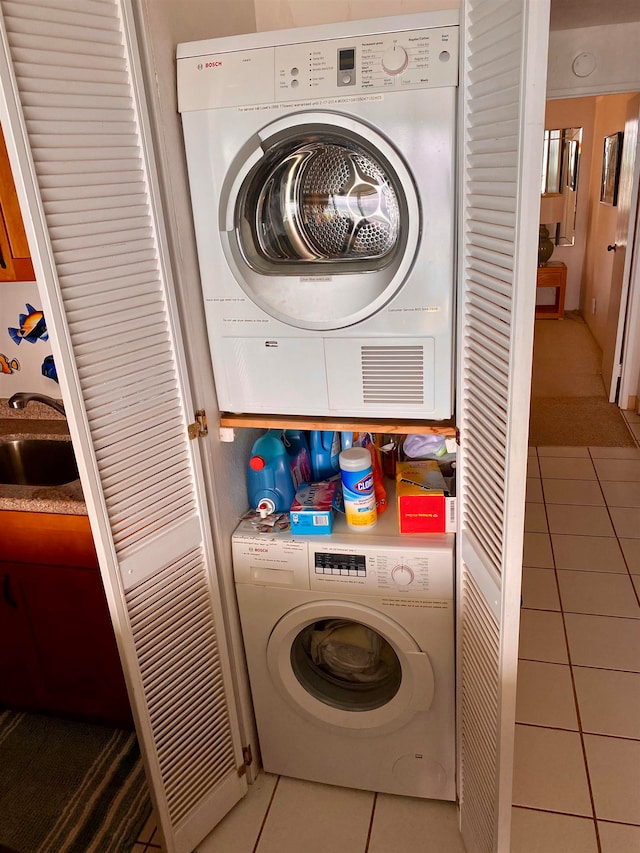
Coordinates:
[570,396]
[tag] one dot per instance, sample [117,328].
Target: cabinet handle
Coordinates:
[3,263]
[612,248]
[6,588]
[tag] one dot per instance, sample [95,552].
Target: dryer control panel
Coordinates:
[315,72]
[379,63]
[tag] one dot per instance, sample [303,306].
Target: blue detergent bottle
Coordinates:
[269,483]
[347,440]
[325,454]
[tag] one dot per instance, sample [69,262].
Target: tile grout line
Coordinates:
[373,812]
[266,815]
[573,686]
[626,563]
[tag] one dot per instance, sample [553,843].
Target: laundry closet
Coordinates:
[161,477]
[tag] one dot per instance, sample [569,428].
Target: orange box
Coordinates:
[421,508]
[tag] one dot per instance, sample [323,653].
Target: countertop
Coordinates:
[38,421]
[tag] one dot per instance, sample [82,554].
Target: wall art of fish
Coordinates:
[8,365]
[32,327]
[49,368]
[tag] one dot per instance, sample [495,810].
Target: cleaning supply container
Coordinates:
[269,482]
[325,453]
[297,446]
[357,488]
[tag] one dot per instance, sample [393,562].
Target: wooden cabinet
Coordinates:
[553,274]
[58,653]
[15,259]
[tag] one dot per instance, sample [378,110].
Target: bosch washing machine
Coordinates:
[321,164]
[349,640]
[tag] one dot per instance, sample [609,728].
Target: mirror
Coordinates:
[559,184]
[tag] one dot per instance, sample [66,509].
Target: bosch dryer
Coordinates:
[321,166]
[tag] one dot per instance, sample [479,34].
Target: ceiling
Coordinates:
[567,14]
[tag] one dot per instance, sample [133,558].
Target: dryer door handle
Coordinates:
[424,683]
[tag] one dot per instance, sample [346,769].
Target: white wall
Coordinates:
[282,14]
[615,56]
[21,364]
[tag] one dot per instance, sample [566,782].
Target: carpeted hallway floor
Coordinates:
[569,405]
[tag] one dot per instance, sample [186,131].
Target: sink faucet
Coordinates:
[20,400]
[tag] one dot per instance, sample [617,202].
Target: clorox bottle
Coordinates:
[269,482]
[357,487]
[325,454]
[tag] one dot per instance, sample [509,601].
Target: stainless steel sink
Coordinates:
[37,462]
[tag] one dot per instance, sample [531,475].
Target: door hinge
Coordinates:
[247,757]
[198,429]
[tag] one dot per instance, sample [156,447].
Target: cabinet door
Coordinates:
[96,225]
[19,670]
[502,124]
[15,260]
[67,644]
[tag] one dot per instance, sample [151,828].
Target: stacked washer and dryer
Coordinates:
[322,172]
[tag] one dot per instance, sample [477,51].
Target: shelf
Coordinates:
[446,428]
[553,274]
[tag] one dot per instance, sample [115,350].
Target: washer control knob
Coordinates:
[395,60]
[402,575]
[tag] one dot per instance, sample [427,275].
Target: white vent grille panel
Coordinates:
[83,131]
[479,650]
[393,375]
[176,644]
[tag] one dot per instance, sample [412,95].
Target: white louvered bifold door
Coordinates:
[503,96]
[77,129]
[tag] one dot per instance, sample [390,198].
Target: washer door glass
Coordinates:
[346,665]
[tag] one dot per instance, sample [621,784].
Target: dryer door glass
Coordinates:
[320,202]
[346,665]
[319,220]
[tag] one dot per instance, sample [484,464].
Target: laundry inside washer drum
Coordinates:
[346,665]
[326,202]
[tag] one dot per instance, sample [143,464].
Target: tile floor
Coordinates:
[577,767]
[577,764]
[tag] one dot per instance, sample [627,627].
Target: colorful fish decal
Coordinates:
[49,368]
[32,327]
[8,365]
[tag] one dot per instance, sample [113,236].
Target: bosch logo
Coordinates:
[216,63]
[259,550]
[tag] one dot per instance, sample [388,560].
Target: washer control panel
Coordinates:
[379,562]
[416,572]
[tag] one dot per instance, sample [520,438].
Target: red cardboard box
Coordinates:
[421,507]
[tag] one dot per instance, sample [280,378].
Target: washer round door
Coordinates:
[347,666]
[320,220]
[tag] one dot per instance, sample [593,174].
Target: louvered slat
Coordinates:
[155,609]
[498,157]
[73,72]
[479,653]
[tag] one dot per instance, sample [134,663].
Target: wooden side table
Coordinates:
[553,274]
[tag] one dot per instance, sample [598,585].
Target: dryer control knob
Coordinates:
[402,575]
[395,60]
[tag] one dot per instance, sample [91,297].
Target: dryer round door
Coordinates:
[347,666]
[319,220]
